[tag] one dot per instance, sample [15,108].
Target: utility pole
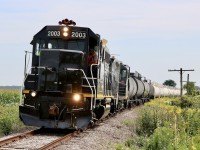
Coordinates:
[188,81]
[181,78]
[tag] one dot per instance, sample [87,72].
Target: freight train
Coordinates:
[74,81]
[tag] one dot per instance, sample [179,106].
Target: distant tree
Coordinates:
[170,83]
[190,87]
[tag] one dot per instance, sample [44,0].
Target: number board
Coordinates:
[78,35]
[74,34]
[53,33]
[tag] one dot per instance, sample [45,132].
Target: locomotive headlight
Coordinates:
[65,34]
[33,93]
[65,29]
[77,97]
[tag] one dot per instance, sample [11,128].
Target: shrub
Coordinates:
[192,119]
[9,119]
[195,142]
[183,103]
[169,124]
[6,125]
[161,139]
[150,118]
[147,122]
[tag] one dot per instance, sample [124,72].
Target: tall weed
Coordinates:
[9,97]
[169,123]
[9,119]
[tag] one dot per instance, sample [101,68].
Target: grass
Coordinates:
[9,112]
[167,124]
[9,120]
[9,97]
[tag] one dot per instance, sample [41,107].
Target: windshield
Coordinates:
[61,44]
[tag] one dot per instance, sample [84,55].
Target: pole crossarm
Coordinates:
[180,70]
[181,77]
[189,81]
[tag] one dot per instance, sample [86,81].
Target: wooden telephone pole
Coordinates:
[188,81]
[181,78]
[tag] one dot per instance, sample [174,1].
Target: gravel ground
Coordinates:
[105,136]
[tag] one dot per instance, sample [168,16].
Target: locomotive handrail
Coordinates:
[90,78]
[73,69]
[93,81]
[25,76]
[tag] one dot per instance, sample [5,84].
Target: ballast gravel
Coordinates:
[105,136]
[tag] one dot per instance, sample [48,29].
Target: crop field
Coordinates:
[9,97]
[9,113]
[166,124]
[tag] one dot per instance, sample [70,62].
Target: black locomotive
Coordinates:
[73,80]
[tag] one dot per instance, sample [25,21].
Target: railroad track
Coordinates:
[58,142]
[42,139]
[41,143]
[18,137]
[11,143]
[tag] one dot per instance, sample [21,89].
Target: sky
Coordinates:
[151,36]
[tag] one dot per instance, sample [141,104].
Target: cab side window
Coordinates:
[123,74]
[40,44]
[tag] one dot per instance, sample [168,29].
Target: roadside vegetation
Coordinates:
[9,111]
[9,97]
[166,124]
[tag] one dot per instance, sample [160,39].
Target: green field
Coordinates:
[166,124]
[9,97]
[9,112]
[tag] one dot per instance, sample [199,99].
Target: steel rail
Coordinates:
[18,137]
[58,141]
